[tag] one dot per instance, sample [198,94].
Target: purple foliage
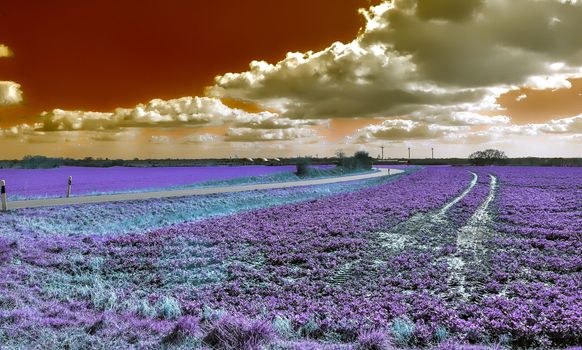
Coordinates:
[373,340]
[510,275]
[7,246]
[187,326]
[463,346]
[239,333]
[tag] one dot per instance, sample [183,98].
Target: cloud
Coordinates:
[160,139]
[415,56]
[399,130]
[521,97]
[572,125]
[264,135]
[268,120]
[26,133]
[470,118]
[111,136]
[201,139]
[5,51]
[185,111]
[16,131]
[454,10]
[10,93]
[182,112]
[569,129]
[61,120]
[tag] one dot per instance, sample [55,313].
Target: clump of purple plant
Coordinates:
[463,346]
[239,333]
[7,246]
[373,340]
[186,327]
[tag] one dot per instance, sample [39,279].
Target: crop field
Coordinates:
[35,183]
[438,257]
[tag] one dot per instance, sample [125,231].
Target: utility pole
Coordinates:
[3,194]
[70,182]
[382,147]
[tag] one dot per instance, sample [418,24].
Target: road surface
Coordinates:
[52,202]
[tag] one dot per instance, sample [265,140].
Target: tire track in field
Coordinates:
[402,235]
[470,248]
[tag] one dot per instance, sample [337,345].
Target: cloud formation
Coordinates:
[422,59]
[182,112]
[262,135]
[5,51]
[401,130]
[10,93]
[185,111]
[398,130]
[201,139]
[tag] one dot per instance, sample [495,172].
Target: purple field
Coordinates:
[28,183]
[442,257]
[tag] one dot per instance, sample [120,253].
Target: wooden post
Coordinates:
[3,193]
[69,186]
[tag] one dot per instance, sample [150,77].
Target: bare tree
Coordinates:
[488,157]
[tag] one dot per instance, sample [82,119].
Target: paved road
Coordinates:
[51,202]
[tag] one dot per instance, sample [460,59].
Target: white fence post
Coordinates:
[69,186]
[3,193]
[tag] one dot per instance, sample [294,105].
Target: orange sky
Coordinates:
[543,105]
[73,54]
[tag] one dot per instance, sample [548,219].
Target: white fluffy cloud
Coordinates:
[185,111]
[5,51]
[415,57]
[268,120]
[10,93]
[572,125]
[182,112]
[400,130]
[406,130]
[263,135]
[16,131]
[201,139]
[160,139]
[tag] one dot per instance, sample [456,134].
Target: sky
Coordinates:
[263,78]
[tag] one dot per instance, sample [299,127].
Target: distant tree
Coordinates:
[302,166]
[363,160]
[360,160]
[488,157]
[40,162]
